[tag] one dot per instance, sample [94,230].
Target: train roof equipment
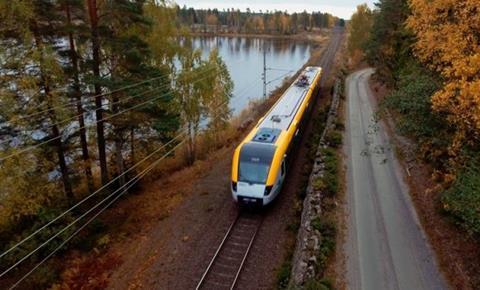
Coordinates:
[284,111]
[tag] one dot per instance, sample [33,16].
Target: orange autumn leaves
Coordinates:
[448,41]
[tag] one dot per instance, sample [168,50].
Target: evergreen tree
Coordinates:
[96,62]
[388,46]
[73,28]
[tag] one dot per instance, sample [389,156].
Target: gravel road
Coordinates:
[386,247]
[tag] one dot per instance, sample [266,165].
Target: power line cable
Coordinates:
[280,77]
[96,109]
[29,148]
[135,180]
[89,96]
[88,197]
[100,189]
[124,190]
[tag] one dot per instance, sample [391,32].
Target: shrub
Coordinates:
[339,125]
[411,100]
[462,200]
[283,275]
[44,216]
[319,184]
[325,226]
[329,182]
[328,232]
[334,139]
[322,284]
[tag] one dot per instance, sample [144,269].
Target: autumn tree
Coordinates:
[203,89]
[188,97]
[448,42]
[359,30]
[237,21]
[218,92]
[32,78]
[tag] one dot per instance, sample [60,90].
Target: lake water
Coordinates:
[244,59]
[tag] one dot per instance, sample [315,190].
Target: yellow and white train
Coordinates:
[260,161]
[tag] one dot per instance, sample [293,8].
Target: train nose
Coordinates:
[249,194]
[250,190]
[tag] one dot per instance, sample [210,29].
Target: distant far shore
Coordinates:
[303,36]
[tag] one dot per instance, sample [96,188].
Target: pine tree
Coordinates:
[73,28]
[388,46]
[96,62]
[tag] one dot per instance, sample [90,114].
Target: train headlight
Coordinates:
[234,186]
[268,189]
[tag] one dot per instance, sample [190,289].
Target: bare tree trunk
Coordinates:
[92,9]
[60,153]
[80,111]
[132,144]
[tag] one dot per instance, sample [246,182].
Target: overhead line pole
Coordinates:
[264,77]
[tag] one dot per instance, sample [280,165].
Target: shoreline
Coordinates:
[310,36]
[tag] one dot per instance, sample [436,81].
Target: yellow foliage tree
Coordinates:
[359,30]
[448,41]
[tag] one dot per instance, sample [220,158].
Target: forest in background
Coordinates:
[428,54]
[92,94]
[234,21]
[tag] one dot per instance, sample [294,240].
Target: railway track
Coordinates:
[227,263]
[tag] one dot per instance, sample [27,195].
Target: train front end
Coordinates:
[256,181]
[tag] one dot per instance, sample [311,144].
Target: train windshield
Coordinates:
[255,160]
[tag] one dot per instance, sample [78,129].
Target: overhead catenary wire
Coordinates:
[74,102]
[71,103]
[247,88]
[133,181]
[101,108]
[280,77]
[123,191]
[89,196]
[279,69]
[29,148]
[72,118]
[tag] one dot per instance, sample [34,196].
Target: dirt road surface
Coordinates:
[386,247]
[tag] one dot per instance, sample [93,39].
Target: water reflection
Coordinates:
[244,59]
